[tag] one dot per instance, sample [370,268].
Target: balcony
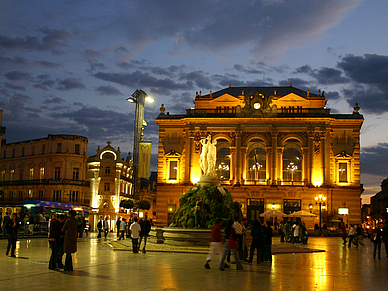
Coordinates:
[34,198]
[81,183]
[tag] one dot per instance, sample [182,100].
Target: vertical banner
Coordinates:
[144,159]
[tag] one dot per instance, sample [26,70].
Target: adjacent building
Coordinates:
[110,179]
[379,204]
[277,148]
[52,168]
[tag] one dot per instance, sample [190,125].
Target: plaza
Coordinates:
[100,265]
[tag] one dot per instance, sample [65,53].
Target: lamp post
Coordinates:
[139,97]
[320,200]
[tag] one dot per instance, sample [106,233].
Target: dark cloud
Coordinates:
[306,69]
[15,87]
[47,65]
[54,100]
[108,90]
[374,159]
[329,76]
[13,61]
[241,68]
[52,40]
[18,75]
[70,83]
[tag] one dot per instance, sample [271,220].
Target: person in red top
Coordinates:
[344,233]
[215,243]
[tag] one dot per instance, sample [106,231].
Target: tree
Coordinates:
[127,204]
[144,204]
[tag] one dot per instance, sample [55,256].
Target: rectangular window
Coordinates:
[57,195]
[75,173]
[59,147]
[43,149]
[107,170]
[30,194]
[12,174]
[343,172]
[41,173]
[21,175]
[21,195]
[57,173]
[10,194]
[4,154]
[3,175]
[13,153]
[23,151]
[106,187]
[291,205]
[32,151]
[31,173]
[173,170]
[76,149]
[40,194]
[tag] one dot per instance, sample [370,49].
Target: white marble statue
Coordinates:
[208,157]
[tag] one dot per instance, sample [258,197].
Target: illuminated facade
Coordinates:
[110,181]
[277,148]
[51,168]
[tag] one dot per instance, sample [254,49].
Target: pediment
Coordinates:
[292,97]
[225,98]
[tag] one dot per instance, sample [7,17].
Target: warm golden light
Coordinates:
[149,99]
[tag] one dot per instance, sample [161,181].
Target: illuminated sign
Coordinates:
[343,211]
[108,151]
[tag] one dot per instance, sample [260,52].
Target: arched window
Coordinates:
[223,159]
[256,162]
[292,161]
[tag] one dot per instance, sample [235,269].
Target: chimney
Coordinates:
[290,84]
[230,85]
[200,93]
[211,94]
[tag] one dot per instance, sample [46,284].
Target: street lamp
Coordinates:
[320,200]
[139,97]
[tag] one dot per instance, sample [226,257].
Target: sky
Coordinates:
[67,67]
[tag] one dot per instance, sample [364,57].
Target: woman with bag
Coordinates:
[230,243]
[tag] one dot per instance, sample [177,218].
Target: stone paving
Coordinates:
[98,266]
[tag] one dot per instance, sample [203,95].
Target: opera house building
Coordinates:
[278,148]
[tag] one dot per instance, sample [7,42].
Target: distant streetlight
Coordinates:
[320,200]
[139,97]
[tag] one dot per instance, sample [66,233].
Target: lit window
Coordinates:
[41,173]
[31,173]
[173,170]
[343,172]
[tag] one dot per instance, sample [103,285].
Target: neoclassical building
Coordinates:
[51,168]
[277,148]
[110,181]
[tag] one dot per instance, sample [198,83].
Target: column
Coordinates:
[274,155]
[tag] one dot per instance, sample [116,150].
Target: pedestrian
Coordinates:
[281,231]
[258,237]
[118,225]
[61,241]
[12,230]
[99,227]
[344,233]
[377,239]
[230,244]
[268,242]
[70,243]
[215,242]
[296,233]
[287,231]
[135,232]
[26,221]
[54,237]
[80,226]
[145,232]
[358,238]
[123,225]
[352,234]
[385,238]
[106,226]
[5,223]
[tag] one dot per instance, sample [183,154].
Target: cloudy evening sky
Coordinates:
[66,67]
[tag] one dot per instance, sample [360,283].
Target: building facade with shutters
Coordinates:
[277,148]
[51,169]
[110,179]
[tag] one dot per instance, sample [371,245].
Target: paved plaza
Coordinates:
[98,266]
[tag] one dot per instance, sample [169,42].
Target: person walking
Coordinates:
[215,242]
[258,237]
[100,223]
[344,233]
[106,226]
[268,242]
[352,234]
[61,241]
[118,226]
[12,230]
[296,233]
[230,244]
[5,223]
[145,226]
[135,232]
[377,239]
[123,225]
[54,241]
[70,244]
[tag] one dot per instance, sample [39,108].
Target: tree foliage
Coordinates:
[144,204]
[201,207]
[127,204]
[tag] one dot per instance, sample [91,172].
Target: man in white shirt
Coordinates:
[135,232]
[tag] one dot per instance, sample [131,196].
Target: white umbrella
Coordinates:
[302,213]
[273,213]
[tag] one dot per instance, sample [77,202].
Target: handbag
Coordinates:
[373,237]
